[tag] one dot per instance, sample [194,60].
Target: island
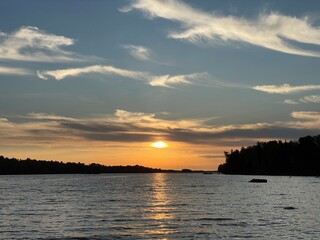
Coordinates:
[13,166]
[295,158]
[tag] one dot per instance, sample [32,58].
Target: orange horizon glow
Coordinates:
[175,156]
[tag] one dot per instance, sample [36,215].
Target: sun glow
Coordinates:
[159,145]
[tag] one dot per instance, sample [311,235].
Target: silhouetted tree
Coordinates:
[300,157]
[29,166]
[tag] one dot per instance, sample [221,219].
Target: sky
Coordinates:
[101,81]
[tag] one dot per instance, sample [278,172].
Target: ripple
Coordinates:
[234,224]
[215,219]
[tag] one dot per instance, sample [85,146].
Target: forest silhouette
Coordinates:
[10,166]
[296,158]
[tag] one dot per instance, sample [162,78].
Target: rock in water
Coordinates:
[256,180]
[289,208]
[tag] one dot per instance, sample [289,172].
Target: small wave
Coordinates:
[215,219]
[123,220]
[244,236]
[109,237]
[72,238]
[234,224]
[286,207]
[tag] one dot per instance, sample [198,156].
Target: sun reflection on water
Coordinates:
[159,210]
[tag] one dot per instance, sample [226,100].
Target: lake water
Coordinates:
[158,206]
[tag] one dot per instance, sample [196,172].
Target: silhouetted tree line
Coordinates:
[301,158]
[30,166]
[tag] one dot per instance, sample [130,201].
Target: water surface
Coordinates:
[159,206]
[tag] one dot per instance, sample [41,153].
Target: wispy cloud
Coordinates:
[270,31]
[159,81]
[139,52]
[307,120]
[168,81]
[108,70]
[306,99]
[291,102]
[14,71]
[285,88]
[311,99]
[306,115]
[151,121]
[50,117]
[35,45]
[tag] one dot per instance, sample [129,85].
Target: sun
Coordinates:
[159,144]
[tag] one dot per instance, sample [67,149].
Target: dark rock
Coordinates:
[257,180]
[289,208]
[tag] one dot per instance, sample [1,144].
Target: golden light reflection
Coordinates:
[160,199]
[160,208]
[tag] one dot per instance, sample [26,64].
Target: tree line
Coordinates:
[10,166]
[300,158]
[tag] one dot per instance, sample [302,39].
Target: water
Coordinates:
[158,206]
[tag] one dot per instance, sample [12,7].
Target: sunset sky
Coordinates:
[102,81]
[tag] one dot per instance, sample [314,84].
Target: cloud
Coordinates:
[309,115]
[290,101]
[124,126]
[43,116]
[139,52]
[311,99]
[168,81]
[151,121]
[108,70]
[271,31]
[35,45]
[285,88]
[306,99]
[14,71]
[159,81]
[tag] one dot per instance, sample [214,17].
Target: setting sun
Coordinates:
[159,145]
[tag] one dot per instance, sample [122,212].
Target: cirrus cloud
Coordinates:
[291,102]
[285,88]
[156,81]
[306,115]
[73,72]
[306,99]
[139,52]
[14,71]
[34,45]
[271,31]
[311,99]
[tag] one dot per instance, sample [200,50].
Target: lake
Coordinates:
[158,206]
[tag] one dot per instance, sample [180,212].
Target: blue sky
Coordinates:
[81,77]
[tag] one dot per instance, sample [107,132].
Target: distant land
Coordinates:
[296,158]
[11,166]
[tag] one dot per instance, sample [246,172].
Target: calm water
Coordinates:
[159,206]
